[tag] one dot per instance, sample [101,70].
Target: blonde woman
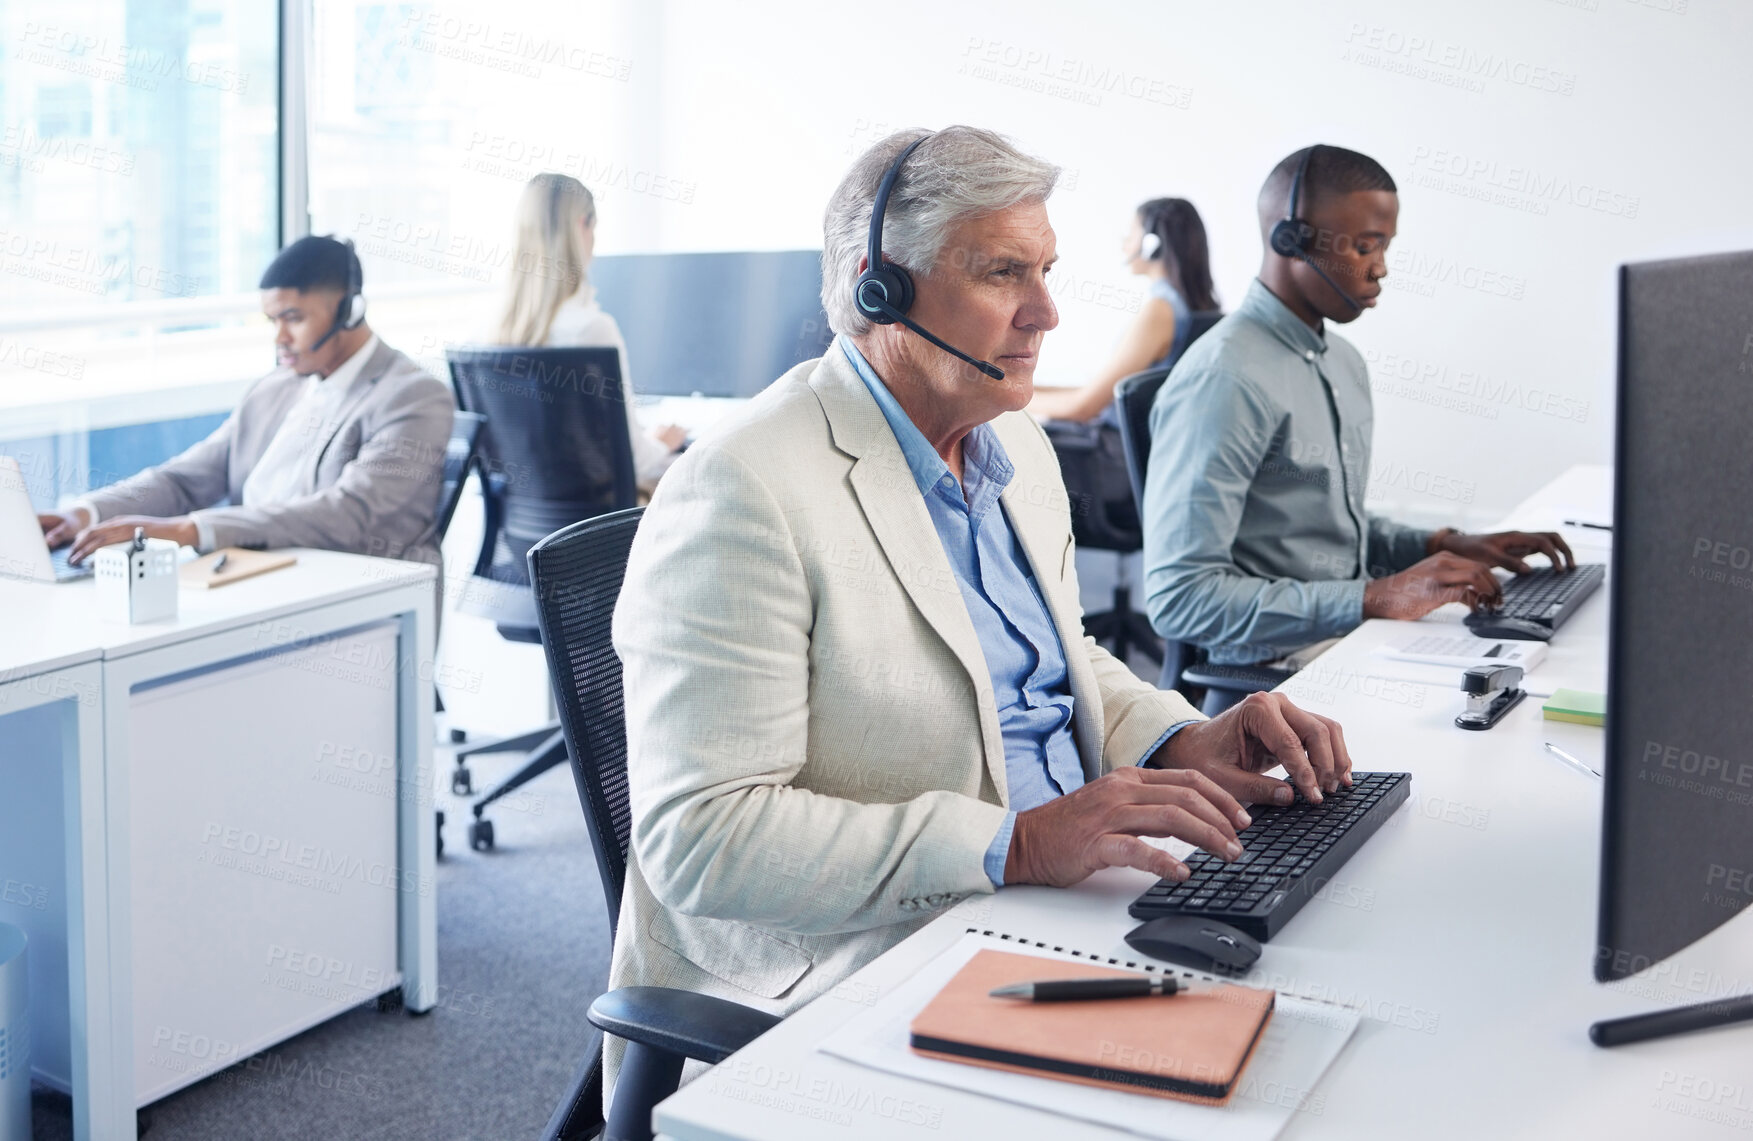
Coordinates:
[550,301]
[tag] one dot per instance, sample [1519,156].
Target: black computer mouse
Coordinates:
[1514,629]
[1196,943]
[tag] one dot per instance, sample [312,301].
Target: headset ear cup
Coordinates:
[894,286]
[1288,237]
[1151,246]
[355,311]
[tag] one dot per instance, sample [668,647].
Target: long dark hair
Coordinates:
[1183,252]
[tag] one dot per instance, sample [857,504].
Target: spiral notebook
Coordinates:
[1189,1045]
[1280,1080]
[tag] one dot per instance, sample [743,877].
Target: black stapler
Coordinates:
[1492,691]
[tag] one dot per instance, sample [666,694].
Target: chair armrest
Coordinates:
[493,518]
[682,1022]
[1235,679]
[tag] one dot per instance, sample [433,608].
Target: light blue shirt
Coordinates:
[1030,682]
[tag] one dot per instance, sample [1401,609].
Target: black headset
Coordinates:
[350,313]
[884,291]
[1291,235]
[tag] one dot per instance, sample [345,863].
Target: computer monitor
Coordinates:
[719,324]
[1677,841]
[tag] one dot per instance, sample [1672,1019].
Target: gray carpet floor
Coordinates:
[523,948]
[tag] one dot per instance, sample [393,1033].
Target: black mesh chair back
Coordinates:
[577,575]
[1183,665]
[1133,398]
[555,448]
[460,454]
[1091,462]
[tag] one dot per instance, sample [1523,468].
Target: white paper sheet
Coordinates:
[1299,1043]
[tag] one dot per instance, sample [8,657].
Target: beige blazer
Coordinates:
[815,759]
[373,489]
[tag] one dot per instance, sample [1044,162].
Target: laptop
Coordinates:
[24,553]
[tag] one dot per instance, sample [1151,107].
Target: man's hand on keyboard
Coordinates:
[1260,732]
[1507,549]
[1098,826]
[1428,584]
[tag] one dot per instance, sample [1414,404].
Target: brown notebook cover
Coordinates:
[1188,1046]
[239,564]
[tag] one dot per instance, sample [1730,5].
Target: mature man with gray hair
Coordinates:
[857,686]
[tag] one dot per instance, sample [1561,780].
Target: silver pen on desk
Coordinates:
[1570,760]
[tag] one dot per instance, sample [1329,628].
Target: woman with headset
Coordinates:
[550,301]
[1165,243]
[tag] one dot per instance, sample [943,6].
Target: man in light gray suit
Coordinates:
[857,684]
[341,447]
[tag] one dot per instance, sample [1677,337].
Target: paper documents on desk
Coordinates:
[1464,650]
[1300,1042]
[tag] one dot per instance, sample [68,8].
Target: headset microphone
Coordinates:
[350,313]
[1291,235]
[884,291]
[894,314]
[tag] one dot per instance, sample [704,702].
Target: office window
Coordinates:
[426,121]
[138,150]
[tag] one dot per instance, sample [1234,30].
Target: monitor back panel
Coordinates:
[1678,836]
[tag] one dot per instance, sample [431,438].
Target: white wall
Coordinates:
[1501,295]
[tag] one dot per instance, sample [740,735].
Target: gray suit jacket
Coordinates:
[814,759]
[373,489]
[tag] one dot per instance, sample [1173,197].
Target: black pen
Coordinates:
[218,563]
[1590,526]
[1076,990]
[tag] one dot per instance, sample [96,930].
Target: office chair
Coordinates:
[1212,686]
[555,451]
[577,574]
[1105,513]
[460,455]
[1104,518]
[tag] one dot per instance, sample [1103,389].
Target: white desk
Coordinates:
[1464,930]
[198,808]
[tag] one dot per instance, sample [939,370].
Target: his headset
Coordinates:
[884,291]
[1291,236]
[350,313]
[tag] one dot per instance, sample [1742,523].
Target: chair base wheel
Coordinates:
[461,781]
[481,835]
[458,736]
[439,833]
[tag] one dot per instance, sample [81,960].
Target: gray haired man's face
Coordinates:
[987,295]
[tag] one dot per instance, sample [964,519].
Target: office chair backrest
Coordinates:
[1134,396]
[460,454]
[556,437]
[577,575]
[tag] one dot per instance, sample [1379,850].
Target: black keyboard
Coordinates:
[1289,854]
[1546,595]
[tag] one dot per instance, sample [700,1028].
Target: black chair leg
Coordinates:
[518,744]
[551,752]
[1133,629]
[647,1077]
